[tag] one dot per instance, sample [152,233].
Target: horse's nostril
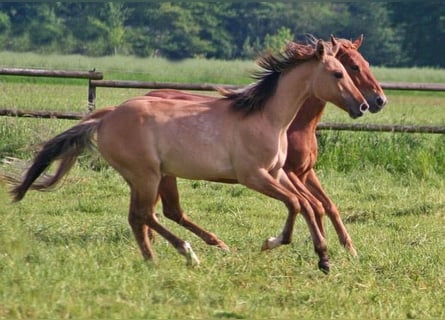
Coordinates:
[380,101]
[364,107]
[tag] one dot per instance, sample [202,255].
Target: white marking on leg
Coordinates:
[273,242]
[351,250]
[192,258]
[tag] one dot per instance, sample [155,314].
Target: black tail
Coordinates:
[66,147]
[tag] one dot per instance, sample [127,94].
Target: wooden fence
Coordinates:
[95,80]
[88,75]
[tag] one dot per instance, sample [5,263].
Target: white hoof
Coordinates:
[272,243]
[352,251]
[192,258]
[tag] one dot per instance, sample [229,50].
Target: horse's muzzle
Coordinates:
[380,102]
[354,114]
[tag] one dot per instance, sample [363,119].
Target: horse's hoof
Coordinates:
[223,247]
[268,244]
[352,250]
[324,266]
[271,243]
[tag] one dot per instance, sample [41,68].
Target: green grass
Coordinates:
[70,253]
[74,256]
[132,68]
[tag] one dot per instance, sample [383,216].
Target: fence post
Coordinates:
[91,96]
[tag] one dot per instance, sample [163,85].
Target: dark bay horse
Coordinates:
[302,146]
[240,138]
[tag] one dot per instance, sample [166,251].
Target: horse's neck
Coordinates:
[309,115]
[293,88]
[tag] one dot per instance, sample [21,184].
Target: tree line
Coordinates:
[396,33]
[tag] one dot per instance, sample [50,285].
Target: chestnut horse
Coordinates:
[240,138]
[302,147]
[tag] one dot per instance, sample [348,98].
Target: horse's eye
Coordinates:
[355,67]
[338,74]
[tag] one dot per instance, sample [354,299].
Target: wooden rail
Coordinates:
[321,126]
[213,86]
[42,114]
[413,86]
[380,128]
[92,74]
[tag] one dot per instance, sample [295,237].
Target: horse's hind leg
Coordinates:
[182,246]
[143,218]
[136,218]
[168,191]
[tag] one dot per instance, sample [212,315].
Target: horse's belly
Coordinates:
[199,166]
[197,163]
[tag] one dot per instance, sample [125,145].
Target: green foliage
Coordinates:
[422,31]
[382,39]
[276,41]
[110,23]
[5,23]
[178,30]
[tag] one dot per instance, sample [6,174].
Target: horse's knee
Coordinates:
[318,208]
[293,204]
[174,214]
[135,220]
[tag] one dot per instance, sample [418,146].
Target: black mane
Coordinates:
[254,97]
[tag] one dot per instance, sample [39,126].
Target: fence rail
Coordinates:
[413,86]
[380,128]
[92,74]
[43,114]
[321,126]
[213,86]
[95,80]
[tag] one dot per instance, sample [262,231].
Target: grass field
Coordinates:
[70,253]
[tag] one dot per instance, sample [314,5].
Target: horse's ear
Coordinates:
[357,43]
[335,45]
[321,50]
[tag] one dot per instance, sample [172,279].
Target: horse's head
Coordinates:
[358,69]
[332,83]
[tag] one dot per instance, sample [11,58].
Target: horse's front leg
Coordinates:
[281,188]
[311,209]
[300,188]
[314,185]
